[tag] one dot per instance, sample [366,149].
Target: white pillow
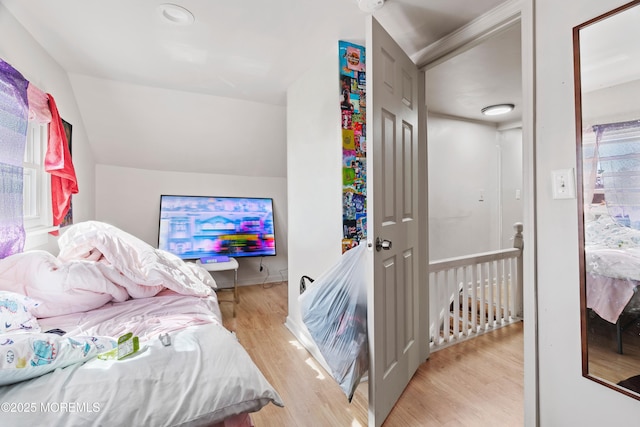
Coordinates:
[15,313]
[28,355]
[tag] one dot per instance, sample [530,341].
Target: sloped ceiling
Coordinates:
[209,97]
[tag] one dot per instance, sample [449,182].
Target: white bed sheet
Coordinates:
[612,260]
[203,377]
[145,317]
[612,250]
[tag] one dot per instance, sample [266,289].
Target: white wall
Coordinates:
[465,159]
[611,104]
[19,49]
[161,129]
[130,199]
[463,166]
[566,398]
[511,206]
[314,160]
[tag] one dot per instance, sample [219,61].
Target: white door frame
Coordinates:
[465,38]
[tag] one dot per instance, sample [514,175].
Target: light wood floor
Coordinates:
[604,360]
[475,383]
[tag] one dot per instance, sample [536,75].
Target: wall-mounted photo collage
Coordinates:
[354,173]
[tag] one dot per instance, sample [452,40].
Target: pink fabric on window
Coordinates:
[38,104]
[58,163]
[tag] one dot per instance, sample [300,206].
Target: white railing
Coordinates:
[474,294]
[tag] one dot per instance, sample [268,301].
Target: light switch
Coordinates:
[518,194]
[564,184]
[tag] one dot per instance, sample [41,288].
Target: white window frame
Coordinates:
[37,205]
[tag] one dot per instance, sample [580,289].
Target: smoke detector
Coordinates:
[175,14]
[370,5]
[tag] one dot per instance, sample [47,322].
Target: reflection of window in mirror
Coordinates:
[608,122]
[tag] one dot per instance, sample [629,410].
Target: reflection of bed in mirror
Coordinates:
[612,259]
[612,222]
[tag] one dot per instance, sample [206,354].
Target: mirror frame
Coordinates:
[580,197]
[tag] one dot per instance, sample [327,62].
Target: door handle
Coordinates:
[382,244]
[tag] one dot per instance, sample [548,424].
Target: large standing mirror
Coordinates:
[607,79]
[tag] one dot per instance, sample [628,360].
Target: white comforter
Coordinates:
[98,263]
[100,283]
[612,250]
[612,259]
[201,378]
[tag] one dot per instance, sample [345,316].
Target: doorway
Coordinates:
[475,160]
[458,43]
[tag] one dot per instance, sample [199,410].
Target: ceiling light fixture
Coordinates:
[495,110]
[370,5]
[175,14]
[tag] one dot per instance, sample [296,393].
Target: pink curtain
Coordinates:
[38,104]
[58,163]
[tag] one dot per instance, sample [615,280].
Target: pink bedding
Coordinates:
[106,282]
[147,318]
[203,378]
[608,296]
[98,263]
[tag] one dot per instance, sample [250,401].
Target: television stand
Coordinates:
[232,264]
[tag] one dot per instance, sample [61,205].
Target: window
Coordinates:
[38,217]
[611,167]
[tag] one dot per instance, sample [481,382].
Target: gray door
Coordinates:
[397,303]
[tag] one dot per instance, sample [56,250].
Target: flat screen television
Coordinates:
[194,227]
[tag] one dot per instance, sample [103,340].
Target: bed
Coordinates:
[63,315]
[612,259]
[612,217]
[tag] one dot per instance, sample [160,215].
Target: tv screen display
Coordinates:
[193,227]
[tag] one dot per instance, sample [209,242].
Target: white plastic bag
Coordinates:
[334,309]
